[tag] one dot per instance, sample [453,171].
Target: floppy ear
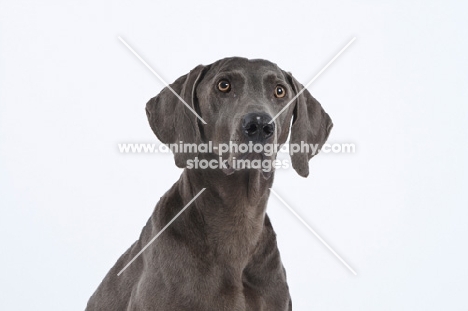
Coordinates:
[311,125]
[171,120]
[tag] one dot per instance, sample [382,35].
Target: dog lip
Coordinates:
[267,175]
[250,157]
[229,170]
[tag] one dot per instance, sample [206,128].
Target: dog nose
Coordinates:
[256,125]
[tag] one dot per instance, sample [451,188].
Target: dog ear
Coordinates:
[311,125]
[171,120]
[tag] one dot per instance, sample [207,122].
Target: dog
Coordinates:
[221,252]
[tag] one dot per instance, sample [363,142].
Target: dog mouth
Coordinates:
[250,161]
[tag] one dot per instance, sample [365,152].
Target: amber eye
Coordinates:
[280,91]
[224,86]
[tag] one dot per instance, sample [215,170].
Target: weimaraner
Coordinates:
[221,252]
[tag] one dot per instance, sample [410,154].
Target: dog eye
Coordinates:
[224,86]
[280,91]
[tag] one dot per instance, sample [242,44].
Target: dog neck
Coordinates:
[247,188]
[232,207]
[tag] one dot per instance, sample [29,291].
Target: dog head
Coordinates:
[243,102]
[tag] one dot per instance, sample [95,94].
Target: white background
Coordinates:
[396,210]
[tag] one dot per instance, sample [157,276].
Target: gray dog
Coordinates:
[221,252]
